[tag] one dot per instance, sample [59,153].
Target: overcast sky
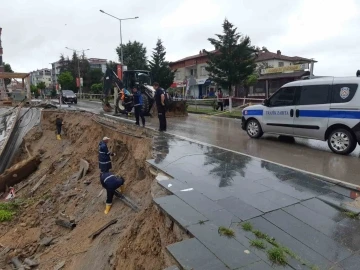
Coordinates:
[36,32]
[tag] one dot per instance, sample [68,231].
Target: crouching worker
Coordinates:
[104,155]
[111,183]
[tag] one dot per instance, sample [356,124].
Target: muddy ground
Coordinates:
[136,241]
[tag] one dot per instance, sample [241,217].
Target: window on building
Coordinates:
[281,64]
[203,71]
[178,75]
[193,72]
[342,93]
[314,94]
[284,97]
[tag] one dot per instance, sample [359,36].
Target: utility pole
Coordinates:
[121,49]
[83,52]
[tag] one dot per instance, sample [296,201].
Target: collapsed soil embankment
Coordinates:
[136,241]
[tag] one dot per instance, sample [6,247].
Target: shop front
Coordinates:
[272,79]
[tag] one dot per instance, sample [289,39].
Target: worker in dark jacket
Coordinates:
[104,155]
[59,123]
[160,104]
[138,103]
[111,183]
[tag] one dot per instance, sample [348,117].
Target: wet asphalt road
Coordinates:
[308,155]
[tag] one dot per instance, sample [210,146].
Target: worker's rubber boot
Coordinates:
[107,208]
[58,137]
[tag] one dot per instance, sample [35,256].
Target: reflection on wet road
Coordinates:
[308,155]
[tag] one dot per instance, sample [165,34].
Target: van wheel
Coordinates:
[253,129]
[341,142]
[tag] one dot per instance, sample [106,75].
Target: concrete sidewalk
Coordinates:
[305,215]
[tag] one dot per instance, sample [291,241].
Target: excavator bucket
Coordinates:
[107,107]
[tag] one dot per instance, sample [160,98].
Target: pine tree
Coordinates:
[159,67]
[134,54]
[234,60]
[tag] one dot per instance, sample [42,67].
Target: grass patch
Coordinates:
[10,206]
[351,215]
[260,235]
[247,226]
[258,244]
[226,231]
[201,222]
[272,241]
[277,255]
[5,215]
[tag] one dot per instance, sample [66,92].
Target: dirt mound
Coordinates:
[136,241]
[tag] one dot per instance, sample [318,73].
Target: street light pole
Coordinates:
[78,51]
[121,49]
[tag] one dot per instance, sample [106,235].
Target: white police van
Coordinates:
[323,109]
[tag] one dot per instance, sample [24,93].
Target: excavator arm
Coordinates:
[111,78]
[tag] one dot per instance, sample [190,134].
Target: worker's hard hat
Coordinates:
[106,138]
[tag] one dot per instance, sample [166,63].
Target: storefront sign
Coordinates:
[283,69]
[203,81]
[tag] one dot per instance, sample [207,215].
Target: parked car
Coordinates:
[68,96]
[326,109]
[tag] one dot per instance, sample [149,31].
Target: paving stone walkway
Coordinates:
[212,187]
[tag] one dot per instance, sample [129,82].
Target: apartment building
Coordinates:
[41,75]
[191,70]
[95,63]
[275,69]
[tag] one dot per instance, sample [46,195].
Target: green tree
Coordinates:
[96,88]
[134,55]
[235,59]
[41,85]
[66,80]
[7,68]
[96,76]
[159,67]
[64,63]
[34,90]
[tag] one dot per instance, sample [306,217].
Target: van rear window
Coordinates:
[342,93]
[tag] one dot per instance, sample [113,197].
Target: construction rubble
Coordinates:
[56,218]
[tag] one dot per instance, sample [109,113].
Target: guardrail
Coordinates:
[230,102]
[91,96]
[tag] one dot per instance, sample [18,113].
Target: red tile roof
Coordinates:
[192,57]
[264,56]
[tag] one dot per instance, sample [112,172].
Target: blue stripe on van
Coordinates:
[252,112]
[330,114]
